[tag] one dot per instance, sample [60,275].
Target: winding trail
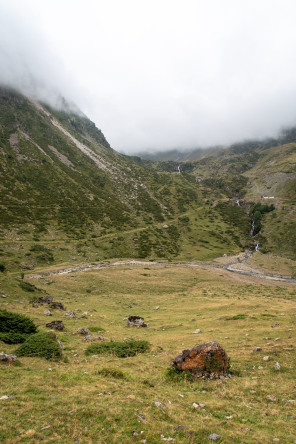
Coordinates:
[229,267]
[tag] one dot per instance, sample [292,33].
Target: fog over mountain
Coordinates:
[158,75]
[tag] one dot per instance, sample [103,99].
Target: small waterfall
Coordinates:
[179,169]
[252,229]
[257,246]
[238,203]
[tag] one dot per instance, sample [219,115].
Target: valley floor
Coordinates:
[71,401]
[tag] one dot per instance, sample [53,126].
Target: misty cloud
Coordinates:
[158,74]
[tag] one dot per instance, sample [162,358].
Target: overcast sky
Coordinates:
[159,74]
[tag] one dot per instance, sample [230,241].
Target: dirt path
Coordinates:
[237,266]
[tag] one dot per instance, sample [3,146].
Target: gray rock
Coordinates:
[47,313]
[7,358]
[88,338]
[135,321]
[214,437]
[56,325]
[70,314]
[44,299]
[57,305]
[277,366]
[257,349]
[83,331]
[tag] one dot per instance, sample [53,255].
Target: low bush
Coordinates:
[13,337]
[120,349]
[95,329]
[236,317]
[26,286]
[113,372]
[40,344]
[172,374]
[15,322]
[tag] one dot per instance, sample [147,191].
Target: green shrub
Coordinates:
[40,344]
[172,374]
[27,287]
[95,329]
[236,317]
[2,268]
[16,322]
[12,337]
[15,328]
[113,372]
[120,349]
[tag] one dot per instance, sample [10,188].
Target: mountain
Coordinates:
[67,196]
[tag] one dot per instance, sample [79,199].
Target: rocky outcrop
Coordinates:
[136,321]
[56,325]
[208,360]
[57,305]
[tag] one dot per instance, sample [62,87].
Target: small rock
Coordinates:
[88,338]
[136,321]
[181,396]
[277,339]
[276,440]
[70,314]
[265,358]
[83,331]
[214,437]
[277,366]
[197,331]
[260,367]
[4,397]
[47,313]
[272,398]
[156,308]
[257,349]
[7,358]
[159,404]
[100,338]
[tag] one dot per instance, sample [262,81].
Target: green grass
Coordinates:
[102,399]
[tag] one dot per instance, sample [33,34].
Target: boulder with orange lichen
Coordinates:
[209,360]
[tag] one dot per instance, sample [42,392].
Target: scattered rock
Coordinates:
[197,405]
[156,308]
[272,398]
[257,349]
[275,325]
[277,339]
[135,321]
[47,313]
[88,338]
[100,338]
[7,358]
[169,439]
[56,325]
[70,314]
[57,305]
[208,360]
[84,315]
[26,266]
[83,331]
[277,366]
[197,331]
[44,299]
[4,397]
[265,358]
[159,404]
[214,437]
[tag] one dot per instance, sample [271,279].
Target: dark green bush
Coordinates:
[40,344]
[2,268]
[16,322]
[26,286]
[95,329]
[12,337]
[236,317]
[120,349]
[172,374]
[15,328]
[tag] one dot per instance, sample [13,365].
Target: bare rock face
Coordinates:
[208,360]
[136,321]
[45,299]
[56,325]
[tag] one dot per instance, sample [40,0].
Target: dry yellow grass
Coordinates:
[70,402]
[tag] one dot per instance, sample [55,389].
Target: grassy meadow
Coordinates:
[106,399]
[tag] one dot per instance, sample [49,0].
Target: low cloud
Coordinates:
[158,75]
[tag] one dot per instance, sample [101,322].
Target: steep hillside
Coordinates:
[67,196]
[258,172]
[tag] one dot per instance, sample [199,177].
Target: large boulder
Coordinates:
[136,321]
[208,360]
[56,325]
